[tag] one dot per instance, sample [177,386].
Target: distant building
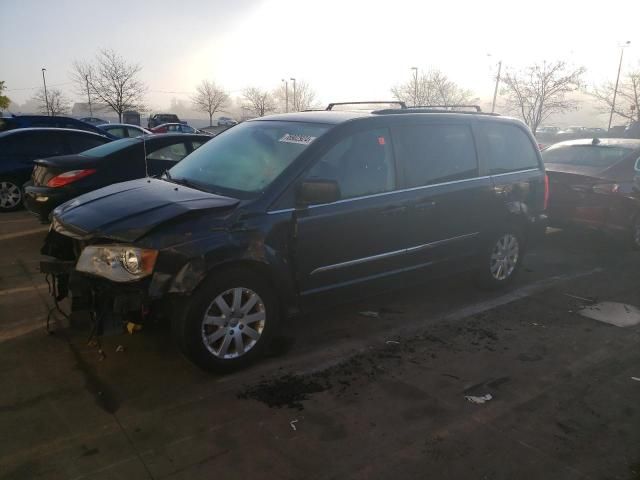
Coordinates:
[81,109]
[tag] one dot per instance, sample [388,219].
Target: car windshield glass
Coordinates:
[245,159]
[585,155]
[110,147]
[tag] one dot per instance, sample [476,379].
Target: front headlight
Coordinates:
[120,263]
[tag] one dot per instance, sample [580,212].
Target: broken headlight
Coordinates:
[119,263]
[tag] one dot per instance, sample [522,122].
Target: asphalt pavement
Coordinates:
[439,380]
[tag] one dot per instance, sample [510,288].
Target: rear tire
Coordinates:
[229,321]
[501,259]
[11,194]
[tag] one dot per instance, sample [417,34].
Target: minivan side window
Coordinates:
[362,164]
[432,153]
[509,149]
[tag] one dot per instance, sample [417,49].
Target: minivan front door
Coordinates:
[359,240]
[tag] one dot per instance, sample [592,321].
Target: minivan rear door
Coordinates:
[512,159]
[448,197]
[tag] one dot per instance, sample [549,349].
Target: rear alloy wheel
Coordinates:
[229,320]
[10,195]
[502,261]
[505,257]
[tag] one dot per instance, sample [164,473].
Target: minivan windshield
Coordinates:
[244,160]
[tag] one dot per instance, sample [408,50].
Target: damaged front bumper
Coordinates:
[111,305]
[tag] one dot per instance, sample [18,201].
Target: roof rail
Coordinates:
[449,107]
[401,104]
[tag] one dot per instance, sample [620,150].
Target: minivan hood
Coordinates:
[127,211]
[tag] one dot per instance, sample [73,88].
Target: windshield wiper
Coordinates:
[167,174]
[190,184]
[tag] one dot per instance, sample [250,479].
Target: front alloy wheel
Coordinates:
[505,257]
[233,323]
[229,321]
[10,195]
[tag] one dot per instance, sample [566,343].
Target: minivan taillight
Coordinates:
[546,191]
[69,177]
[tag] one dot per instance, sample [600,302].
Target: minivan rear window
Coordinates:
[245,159]
[509,149]
[436,153]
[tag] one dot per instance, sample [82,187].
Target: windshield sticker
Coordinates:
[300,139]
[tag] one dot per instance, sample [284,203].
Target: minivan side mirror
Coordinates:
[317,191]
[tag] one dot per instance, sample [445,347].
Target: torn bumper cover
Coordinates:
[111,302]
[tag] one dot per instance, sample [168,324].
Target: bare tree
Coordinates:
[303,97]
[431,88]
[4,100]
[81,75]
[112,80]
[627,99]
[58,103]
[210,99]
[541,90]
[258,102]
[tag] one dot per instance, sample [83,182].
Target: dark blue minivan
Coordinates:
[283,213]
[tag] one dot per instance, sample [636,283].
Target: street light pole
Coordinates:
[615,90]
[286,95]
[46,97]
[295,107]
[495,91]
[415,86]
[86,79]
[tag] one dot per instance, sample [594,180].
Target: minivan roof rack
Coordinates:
[400,103]
[449,107]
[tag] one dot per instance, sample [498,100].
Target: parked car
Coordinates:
[123,130]
[226,122]
[287,212]
[592,185]
[94,120]
[20,147]
[174,128]
[58,179]
[34,121]
[160,118]
[632,131]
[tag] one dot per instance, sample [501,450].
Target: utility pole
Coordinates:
[615,90]
[86,79]
[295,107]
[286,95]
[415,86]
[495,91]
[46,97]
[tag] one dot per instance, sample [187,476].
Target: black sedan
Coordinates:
[58,179]
[595,184]
[20,147]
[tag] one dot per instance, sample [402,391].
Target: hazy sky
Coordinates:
[347,50]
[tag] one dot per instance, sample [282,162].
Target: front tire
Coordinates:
[501,260]
[11,195]
[229,322]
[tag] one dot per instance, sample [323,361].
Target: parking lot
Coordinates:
[377,389]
